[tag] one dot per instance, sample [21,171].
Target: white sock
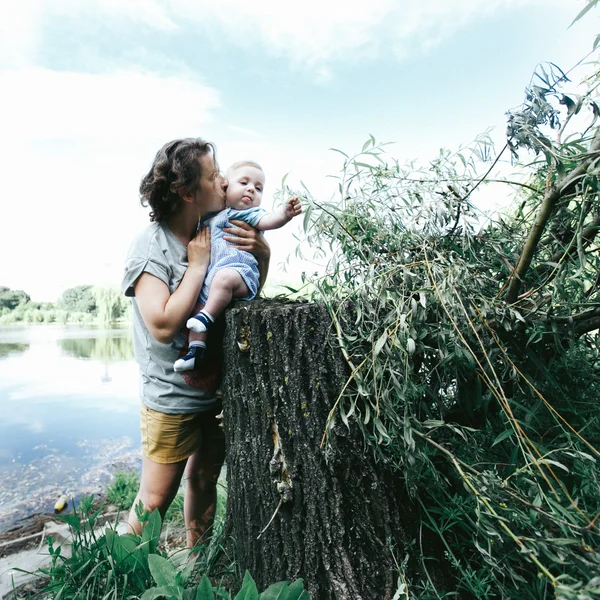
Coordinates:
[207,314]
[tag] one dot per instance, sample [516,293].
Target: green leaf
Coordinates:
[589,6]
[162,570]
[205,590]
[72,521]
[92,518]
[157,592]
[187,571]
[503,436]
[296,591]
[380,342]
[110,535]
[248,591]
[124,549]
[151,531]
[563,541]
[277,591]
[342,153]
[555,463]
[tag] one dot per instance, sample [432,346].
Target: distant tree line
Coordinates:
[80,304]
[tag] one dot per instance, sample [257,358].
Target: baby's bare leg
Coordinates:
[226,285]
[196,337]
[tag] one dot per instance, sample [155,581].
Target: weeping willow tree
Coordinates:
[472,344]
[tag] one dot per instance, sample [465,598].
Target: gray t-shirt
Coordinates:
[158,251]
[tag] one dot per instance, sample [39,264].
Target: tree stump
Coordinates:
[330,515]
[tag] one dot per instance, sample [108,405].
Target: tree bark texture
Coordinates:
[340,513]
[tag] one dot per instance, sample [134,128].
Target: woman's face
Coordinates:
[210,196]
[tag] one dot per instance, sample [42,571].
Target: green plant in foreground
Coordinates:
[171,585]
[104,564]
[123,489]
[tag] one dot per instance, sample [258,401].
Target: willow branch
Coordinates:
[588,235]
[563,187]
[586,326]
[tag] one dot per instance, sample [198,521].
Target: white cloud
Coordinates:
[244,130]
[312,33]
[149,12]
[20,30]
[43,104]
[74,149]
[315,33]
[22,23]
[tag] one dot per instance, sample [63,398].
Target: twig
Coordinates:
[461,179]
[271,519]
[446,452]
[486,173]
[548,515]
[539,395]
[498,392]
[504,526]
[335,405]
[516,425]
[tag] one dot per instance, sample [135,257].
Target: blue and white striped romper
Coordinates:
[222,256]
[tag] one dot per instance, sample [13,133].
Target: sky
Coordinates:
[91,89]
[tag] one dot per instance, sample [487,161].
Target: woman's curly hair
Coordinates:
[176,168]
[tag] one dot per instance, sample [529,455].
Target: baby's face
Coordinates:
[245,188]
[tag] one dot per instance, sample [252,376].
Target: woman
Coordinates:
[164,271]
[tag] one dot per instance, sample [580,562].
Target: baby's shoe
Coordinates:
[192,359]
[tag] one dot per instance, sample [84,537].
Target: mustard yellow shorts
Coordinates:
[172,438]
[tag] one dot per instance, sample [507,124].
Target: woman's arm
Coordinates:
[245,237]
[164,313]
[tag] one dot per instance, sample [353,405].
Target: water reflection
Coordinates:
[69,405]
[8,349]
[106,347]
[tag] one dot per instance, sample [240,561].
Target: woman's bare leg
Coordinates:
[158,486]
[201,476]
[160,482]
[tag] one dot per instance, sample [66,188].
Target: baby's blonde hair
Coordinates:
[239,164]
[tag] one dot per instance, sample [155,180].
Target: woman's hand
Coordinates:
[245,237]
[164,313]
[199,249]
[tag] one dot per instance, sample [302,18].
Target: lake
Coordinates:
[69,414]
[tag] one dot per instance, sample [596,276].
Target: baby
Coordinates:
[232,273]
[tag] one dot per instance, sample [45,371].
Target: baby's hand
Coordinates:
[292,208]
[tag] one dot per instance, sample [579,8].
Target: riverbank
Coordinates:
[24,548]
